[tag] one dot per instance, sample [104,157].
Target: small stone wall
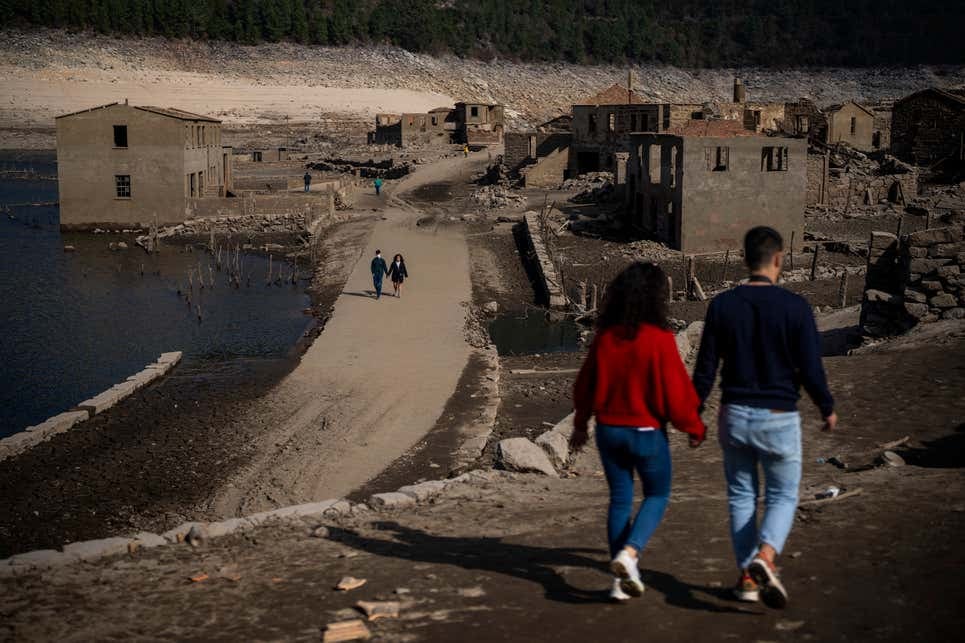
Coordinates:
[34,435]
[547,270]
[915,279]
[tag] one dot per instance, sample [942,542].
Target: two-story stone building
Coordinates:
[699,187]
[133,165]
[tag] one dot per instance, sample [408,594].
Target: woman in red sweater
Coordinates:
[634,381]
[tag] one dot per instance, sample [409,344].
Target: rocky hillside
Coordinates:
[531,91]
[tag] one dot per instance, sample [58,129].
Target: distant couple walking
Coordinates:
[396,272]
[634,381]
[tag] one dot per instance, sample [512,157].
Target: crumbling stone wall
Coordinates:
[842,189]
[915,279]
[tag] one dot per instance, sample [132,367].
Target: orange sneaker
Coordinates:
[746,589]
[772,590]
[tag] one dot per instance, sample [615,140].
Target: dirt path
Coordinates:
[509,557]
[379,376]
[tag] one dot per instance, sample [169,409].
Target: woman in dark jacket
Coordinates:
[398,274]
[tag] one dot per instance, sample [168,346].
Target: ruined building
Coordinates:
[121,164]
[602,123]
[929,126]
[850,123]
[539,157]
[472,123]
[698,187]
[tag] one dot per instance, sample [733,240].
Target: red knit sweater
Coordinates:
[637,382]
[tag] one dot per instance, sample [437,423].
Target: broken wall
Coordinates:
[912,280]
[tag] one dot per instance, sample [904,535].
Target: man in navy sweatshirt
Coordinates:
[770,347]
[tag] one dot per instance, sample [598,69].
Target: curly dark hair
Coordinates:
[638,295]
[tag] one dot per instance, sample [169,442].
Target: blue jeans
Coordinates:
[377,282]
[623,450]
[307,187]
[751,436]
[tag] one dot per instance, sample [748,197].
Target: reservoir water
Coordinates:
[73,324]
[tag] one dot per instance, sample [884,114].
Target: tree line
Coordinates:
[692,33]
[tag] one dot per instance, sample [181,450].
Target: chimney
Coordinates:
[740,95]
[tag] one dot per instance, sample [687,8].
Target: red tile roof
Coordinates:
[712,127]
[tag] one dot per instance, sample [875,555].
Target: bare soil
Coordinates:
[523,557]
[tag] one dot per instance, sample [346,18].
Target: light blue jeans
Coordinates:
[750,437]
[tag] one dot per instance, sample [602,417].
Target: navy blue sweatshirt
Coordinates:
[770,346]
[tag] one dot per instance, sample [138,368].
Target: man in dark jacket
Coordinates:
[769,344]
[379,270]
[308,181]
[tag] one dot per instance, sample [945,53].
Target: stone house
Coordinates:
[132,165]
[856,125]
[700,186]
[478,123]
[539,157]
[472,123]
[851,123]
[602,125]
[929,126]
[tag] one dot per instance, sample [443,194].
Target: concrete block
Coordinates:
[882,240]
[424,490]
[917,253]
[519,454]
[147,540]
[171,358]
[309,510]
[100,403]
[391,500]
[556,446]
[340,508]
[93,549]
[916,310]
[946,250]
[943,300]
[954,313]
[925,266]
[18,443]
[124,389]
[932,236]
[948,271]
[915,296]
[178,534]
[881,296]
[58,423]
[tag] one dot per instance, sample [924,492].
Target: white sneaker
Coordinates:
[625,567]
[617,594]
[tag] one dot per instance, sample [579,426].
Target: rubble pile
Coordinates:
[496,196]
[594,187]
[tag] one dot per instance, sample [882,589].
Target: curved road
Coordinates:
[376,379]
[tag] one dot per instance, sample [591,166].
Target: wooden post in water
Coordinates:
[723,273]
[843,291]
[594,302]
[670,287]
[814,262]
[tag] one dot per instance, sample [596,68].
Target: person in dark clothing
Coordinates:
[398,274]
[378,186]
[379,270]
[634,381]
[308,181]
[769,344]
